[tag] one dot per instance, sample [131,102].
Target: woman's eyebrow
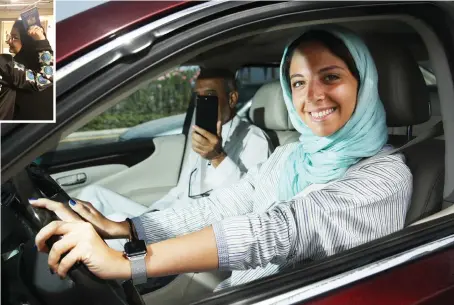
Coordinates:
[296,75]
[330,68]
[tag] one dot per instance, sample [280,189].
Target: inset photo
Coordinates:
[27,32]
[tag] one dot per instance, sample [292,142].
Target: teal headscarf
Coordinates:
[323,159]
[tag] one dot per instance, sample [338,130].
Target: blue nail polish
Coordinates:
[72,202]
[35,247]
[32,199]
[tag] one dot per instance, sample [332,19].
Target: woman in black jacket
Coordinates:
[15,77]
[33,51]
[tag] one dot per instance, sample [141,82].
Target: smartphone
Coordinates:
[206,112]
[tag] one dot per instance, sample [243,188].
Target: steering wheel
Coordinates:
[35,182]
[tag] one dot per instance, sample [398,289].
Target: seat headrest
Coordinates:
[268,110]
[401,84]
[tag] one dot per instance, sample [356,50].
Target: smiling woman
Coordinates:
[331,92]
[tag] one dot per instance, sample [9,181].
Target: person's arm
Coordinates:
[85,244]
[160,225]
[366,204]
[342,215]
[234,200]
[255,150]
[16,76]
[325,222]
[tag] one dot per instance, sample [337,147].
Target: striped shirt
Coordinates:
[258,236]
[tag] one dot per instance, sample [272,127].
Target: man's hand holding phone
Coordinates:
[208,145]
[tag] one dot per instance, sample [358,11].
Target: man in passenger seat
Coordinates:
[215,161]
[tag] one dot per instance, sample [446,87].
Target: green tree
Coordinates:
[168,95]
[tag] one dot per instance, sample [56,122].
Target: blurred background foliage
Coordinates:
[165,96]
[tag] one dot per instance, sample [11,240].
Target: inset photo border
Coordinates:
[27,65]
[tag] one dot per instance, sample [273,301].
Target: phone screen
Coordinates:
[206,115]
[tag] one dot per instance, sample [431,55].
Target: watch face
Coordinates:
[135,247]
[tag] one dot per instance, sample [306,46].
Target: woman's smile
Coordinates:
[322,114]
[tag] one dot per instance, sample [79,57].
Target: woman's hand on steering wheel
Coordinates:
[81,243]
[81,210]
[58,208]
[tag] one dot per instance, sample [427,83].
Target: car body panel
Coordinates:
[104,21]
[427,281]
[73,181]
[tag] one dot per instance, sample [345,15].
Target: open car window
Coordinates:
[251,78]
[157,108]
[427,73]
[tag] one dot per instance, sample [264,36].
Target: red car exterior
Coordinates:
[428,281]
[82,31]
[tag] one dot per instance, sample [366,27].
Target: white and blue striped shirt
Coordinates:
[257,235]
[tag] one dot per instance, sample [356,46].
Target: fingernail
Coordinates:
[32,199]
[51,271]
[35,247]
[72,202]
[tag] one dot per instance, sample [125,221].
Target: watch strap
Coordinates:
[138,269]
[132,231]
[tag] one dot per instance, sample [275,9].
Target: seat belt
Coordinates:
[435,131]
[189,114]
[187,127]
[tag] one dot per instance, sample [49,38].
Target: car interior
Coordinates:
[412,107]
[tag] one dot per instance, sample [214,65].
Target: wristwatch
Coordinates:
[136,252]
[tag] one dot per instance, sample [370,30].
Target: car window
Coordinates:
[250,79]
[155,109]
[250,75]
[427,73]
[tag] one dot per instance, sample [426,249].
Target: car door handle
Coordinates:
[72,179]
